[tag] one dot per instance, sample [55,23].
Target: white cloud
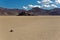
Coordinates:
[38,2]
[47,1]
[44,4]
[53,5]
[51,1]
[57,1]
[25,7]
[47,6]
[32,6]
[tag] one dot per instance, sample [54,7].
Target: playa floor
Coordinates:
[30,27]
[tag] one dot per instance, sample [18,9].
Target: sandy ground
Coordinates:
[30,28]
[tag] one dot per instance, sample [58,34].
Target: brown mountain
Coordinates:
[9,12]
[33,12]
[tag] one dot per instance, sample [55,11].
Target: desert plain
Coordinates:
[30,27]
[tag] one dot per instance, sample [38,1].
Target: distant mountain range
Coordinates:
[33,12]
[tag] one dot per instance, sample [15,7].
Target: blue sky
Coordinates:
[15,3]
[21,3]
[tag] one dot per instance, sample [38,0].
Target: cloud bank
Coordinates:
[25,7]
[44,4]
[57,1]
[32,6]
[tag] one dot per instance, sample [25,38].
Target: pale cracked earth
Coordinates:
[30,27]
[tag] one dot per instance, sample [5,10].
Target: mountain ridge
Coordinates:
[32,12]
